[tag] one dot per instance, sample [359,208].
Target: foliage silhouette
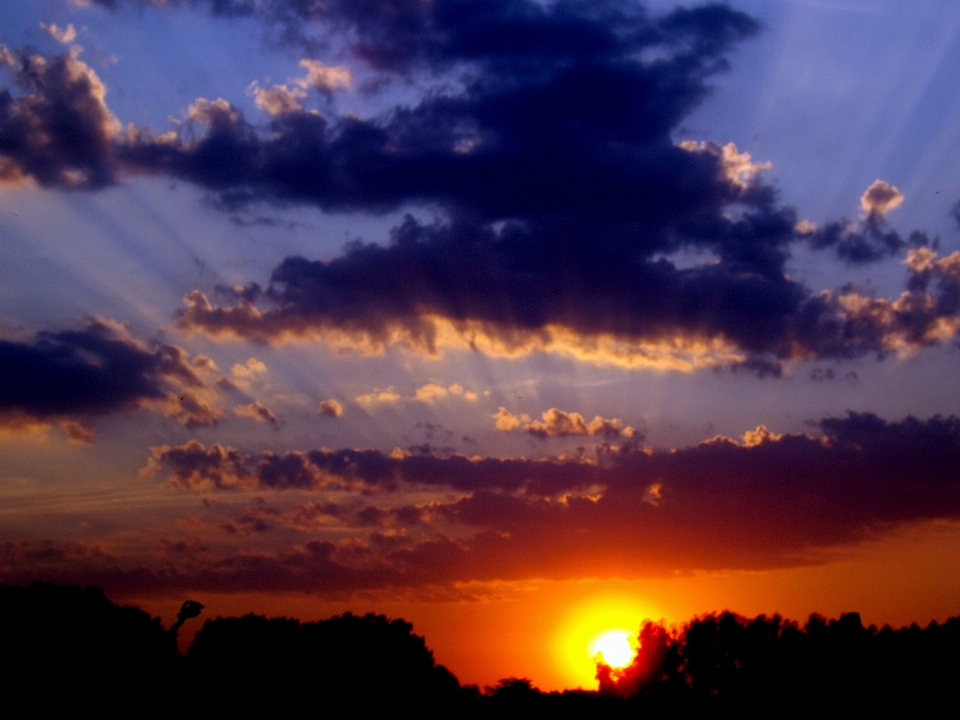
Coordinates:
[365,663]
[189,609]
[725,661]
[65,648]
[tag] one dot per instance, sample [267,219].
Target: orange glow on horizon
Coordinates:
[542,629]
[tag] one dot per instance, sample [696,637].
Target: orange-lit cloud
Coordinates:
[880,198]
[558,423]
[378,397]
[288,97]
[259,412]
[64,35]
[330,408]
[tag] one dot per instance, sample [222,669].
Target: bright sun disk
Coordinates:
[613,647]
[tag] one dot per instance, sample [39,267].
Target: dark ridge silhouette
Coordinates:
[69,648]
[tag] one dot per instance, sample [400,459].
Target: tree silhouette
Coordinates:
[64,645]
[189,609]
[67,647]
[369,663]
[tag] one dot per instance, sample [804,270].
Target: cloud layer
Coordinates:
[544,140]
[73,376]
[767,500]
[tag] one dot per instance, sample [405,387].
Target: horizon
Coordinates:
[523,320]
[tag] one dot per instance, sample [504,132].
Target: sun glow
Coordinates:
[613,648]
[602,628]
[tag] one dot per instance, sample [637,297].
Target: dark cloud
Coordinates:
[312,566]
[49,552]
[330,408]
[261,517]
[428,449]
[873,238]
[538,128]
[253,519]
[508,293]
[764,501]
[73,376]
[416,34]
[57,130]
[194,466]
[544,139]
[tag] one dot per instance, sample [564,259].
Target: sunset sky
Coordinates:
[524,320]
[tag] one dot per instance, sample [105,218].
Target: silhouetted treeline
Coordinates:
[369,663]
[772,666]
[67,647]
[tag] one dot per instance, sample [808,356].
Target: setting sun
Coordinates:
[613,648]
[606,625]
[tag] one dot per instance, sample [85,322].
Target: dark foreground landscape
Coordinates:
[70,648]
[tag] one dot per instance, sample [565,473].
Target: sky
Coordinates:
[521,320]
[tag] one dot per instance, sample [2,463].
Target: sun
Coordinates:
[606,624]
[613,648]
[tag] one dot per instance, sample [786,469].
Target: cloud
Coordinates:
[468,395]
[58,130]
[431,391]
[330,408]
[546,146]
[311,515]
[242,375]
[325,77]
[428,393]
[378,397]
[71,377]
[508,301]
[259,412]
[254,519]
[503,149]
[278,99]
[64,35]
[880,198]
[769,500]
[872,239]
[286,98]
[505,421]
[194,466]
[558,423]
[306,517]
